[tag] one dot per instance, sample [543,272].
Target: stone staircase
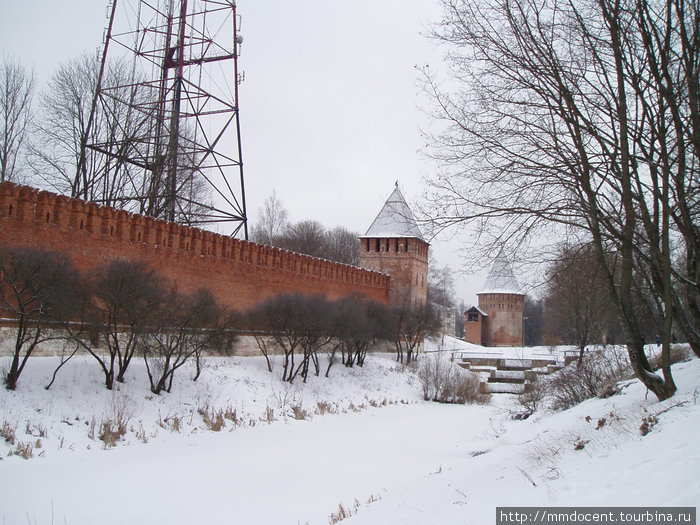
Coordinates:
[504,375]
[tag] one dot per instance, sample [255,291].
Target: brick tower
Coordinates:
[498,319]
[394,245]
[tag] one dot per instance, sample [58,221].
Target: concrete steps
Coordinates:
[506,375]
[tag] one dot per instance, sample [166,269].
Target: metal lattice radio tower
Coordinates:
[167,96]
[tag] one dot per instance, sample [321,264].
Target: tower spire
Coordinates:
[394,244]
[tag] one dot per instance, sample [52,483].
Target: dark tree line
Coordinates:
[125,310]
[305,328]
[122,307]
[308,237]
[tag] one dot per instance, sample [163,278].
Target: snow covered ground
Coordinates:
[363,439]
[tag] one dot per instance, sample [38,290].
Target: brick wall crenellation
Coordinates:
[239,273]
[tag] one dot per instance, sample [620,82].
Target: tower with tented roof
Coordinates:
[395,245]
[498,318]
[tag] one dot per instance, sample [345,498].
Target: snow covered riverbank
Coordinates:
[363,439]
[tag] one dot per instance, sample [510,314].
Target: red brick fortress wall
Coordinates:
[239,273]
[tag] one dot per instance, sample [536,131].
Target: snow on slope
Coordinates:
[591,455]
[401,459]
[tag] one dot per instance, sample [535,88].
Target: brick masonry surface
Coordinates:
[405,259]
[504,324]
[238,273]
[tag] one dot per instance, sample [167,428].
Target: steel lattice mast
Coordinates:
[166,105]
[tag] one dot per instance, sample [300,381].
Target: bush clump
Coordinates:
[679,354]
[446,382]
[590,377]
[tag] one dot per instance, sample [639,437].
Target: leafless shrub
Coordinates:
[304,327]
[111,432]
[114,426]
[410,325]
[141,433]
[172,423]
[544,455]
[679,354]
[298,412]
[372,498]
[231,414]
[213,419]
[586,379]
[358,324]
[125,296]
[530,400]
[7,432]
[183,325]
[286,397]
[445,382]
[323,407]
[23,450]
[269,415]
[37,287]
[36,429]
[344,512]
[648,422]
[300,326]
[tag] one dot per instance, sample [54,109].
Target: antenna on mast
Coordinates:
[165,119]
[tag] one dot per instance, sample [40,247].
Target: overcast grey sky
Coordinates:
[329,108]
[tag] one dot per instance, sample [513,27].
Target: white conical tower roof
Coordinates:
[395,219]
[501,278]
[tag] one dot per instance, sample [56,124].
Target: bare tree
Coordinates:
[16,93]
[581,116]
[360,324]
[184,325]
[441,296]
[281,318]
[317,332]
[63,130]
[78,147]
[272,221]
[38,290]
[307,237]
[300,326]
[342,246]
[312,238]
[85,145]
[579,310]
[410,326]
[124,297]
[441,285]
[225,334]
